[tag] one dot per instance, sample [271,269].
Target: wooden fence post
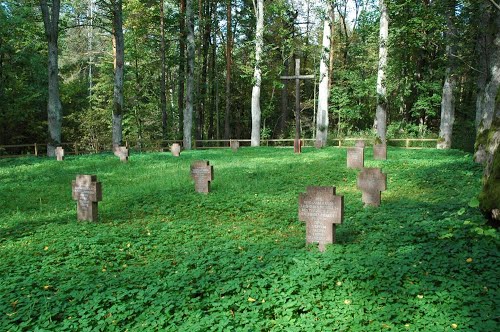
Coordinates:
[36,150]
[76,149]
[407,143]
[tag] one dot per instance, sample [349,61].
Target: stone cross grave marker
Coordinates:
[360,143]
[203,174]
[297,144]
[380,151]
[355,157]
[59,153]
[87,192]
[321,209]
[235,145]
[176,149]
[371,181]
[121,152]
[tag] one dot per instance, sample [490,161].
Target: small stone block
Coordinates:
[380,151]
[371,181]
[86,191]
[202,174]
[121,152]
[235,145]
[321,209]
[355,157]
[59,153]
[176,149]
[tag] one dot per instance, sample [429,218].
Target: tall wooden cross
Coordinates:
[297,77]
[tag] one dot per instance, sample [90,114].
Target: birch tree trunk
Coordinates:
[448,98]
[322,115]
[54,108]
[182,61]
[188,111]
[163,89]
[118,56]
[229,41]
[381,113]
[259,40]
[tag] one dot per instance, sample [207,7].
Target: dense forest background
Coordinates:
[221,107]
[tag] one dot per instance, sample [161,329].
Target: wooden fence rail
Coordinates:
[75,148]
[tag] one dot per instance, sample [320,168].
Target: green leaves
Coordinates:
[165,258]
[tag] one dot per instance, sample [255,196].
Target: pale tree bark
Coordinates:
[381,113]
[118,63]
[54,108]
[488,138]
[229,42]
[163,88]
[182,61]
[450,81]
[188,111]
[487,95]
[323,93]
[259,40]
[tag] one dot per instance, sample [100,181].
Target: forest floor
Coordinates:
[163,257]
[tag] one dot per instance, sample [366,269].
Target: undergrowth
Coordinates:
[164,258]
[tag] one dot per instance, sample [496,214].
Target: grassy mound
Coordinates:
[165,258]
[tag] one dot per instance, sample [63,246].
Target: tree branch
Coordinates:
[495,4]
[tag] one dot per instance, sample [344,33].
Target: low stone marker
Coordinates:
[355,157]
[176,149]
[59,153]
[87,192]
[321,209]
[235,145]
[121,152]
[360,143]
[380,151]
[371,181]
[202,174]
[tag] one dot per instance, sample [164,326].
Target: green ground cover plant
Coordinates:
[163,257]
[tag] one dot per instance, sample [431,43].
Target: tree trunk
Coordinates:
[213,71]
[204,69]
[448,98]
[381,113]
[54,108]
[118,56]
[483,41]
[488,138]
[284,100]
[322,115]
[182,61]
[259,40]
[227,115]
[163,89]
[188,111]
[487,96]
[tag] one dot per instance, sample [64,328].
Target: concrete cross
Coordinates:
[121,152]
[355,157]
[59,153]
[203,174]
[371,181]
[176,150]
[87,192]
[297,144]
[235,145]
[380,151]
[321,209]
